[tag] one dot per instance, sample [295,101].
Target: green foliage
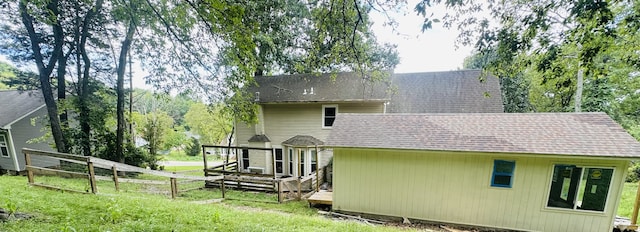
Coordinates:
[212,123]
[194,148]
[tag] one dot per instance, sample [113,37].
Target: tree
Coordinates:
[194,149]
[154,127]
[213,124]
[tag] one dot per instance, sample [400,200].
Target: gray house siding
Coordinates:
[24,134]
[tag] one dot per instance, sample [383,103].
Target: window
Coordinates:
[579,188]
[4,151]
[502,173]
[245,158]
[279,161]
[314,162]
[329,115]
[291,161]
[301,162]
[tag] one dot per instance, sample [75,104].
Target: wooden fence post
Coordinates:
[222,187]
[636,206]
[115,177]
[92,177]
[27,160]
[174,188]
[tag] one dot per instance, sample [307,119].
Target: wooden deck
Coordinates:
[322,197]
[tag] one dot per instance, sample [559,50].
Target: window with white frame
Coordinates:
[4,150]
[314,161]
[245,158]
[579,187]
[279,161]
[291,162]
[329,113]
[502,176]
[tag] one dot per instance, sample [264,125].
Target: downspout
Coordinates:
[13,148]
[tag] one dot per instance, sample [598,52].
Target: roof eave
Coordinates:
[326,101]
[8,126]
[620,157]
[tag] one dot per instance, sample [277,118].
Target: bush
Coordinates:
[194,148]
[633,173]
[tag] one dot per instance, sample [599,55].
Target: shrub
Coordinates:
[194,148]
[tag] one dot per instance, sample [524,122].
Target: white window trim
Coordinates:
[550,180]
[323,110]
[6,145]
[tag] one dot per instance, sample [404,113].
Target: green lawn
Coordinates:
[132,211]
[626,201]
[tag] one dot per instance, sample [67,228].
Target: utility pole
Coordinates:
[578,100]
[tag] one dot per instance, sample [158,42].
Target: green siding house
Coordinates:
[530,172]
[296,112]
[22,114]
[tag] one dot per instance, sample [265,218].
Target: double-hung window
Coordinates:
[279,161]
[503,173]
[4,150]
[329,113]
[245,158]
[291,162]
[579,188]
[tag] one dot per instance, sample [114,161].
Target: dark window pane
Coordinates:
[4,151]
[329,121]
[245,153]
[279,167]
[278,154]
[502,180]
[329,111]
[313,167]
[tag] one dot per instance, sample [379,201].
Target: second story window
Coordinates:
[329,113]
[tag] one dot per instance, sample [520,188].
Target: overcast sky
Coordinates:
[433,50]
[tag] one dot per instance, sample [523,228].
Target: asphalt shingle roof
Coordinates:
[303,140]
[459,91]
[15,104]
[581,134]
[343,87]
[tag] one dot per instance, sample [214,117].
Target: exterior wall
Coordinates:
[22,131]
[455,187]
[283,121]
[7,163]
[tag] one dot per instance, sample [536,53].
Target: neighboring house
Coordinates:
[532,172]
[296,112]
[22,114]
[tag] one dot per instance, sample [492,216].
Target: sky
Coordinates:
[433,50]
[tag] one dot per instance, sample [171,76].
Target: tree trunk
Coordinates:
[44,71]
[122,64]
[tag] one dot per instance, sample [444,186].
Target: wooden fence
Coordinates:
[223,176]
[87,167]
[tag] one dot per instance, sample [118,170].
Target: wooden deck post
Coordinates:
[92,176]
[115,177]
[636,206]
[317,171]
[279,183]
[299,188]
[27,160]
[273,162]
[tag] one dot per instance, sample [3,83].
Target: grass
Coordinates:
[133,211]
[625,209]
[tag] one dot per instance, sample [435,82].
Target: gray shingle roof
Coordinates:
[430,92]
[581,134]
[303,140]
[259,138]
[16,104]
[446,92]
[298,88]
